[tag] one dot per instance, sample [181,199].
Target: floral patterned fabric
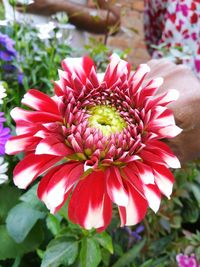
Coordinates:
[174,24]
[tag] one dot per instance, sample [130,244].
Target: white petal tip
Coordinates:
[145,68]
[159,81]
[173,94]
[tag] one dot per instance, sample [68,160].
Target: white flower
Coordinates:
[3,170]
[45,30]
[2,92]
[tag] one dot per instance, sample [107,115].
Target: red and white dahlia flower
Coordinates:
[97,141]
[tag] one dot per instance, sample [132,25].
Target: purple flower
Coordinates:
[186,260]
[5,56]
[9,68]
[20,77]
[6,41]
[7,50]
[4,136]
[2,119]
[135,234]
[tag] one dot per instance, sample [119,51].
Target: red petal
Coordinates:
[20,143]
[147,91]
[61,182]
[169,131]
[52,146]
[42,187]
[115,187]
[136,208]
[150,192]
[116,69]
[89,205]
[20,115]
[164,152]
[82,68]
[40,101]
[32,166]
[153,196]
[138,78]
[143,171]
[164,179]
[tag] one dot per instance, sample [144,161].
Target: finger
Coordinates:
[186,146]
[179,77]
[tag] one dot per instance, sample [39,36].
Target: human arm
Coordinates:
[186,109]
[97,20]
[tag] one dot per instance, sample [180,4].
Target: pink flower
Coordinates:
[186,261]
[97,141]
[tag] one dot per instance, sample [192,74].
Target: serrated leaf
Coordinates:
[9,249]
[21,220]
[90,254]
[105,241]
[60,251]
[129,256]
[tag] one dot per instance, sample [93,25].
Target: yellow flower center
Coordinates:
[107,119]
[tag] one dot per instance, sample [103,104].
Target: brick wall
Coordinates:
[131,34]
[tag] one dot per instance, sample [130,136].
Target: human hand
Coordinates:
[42,7]
[186,109]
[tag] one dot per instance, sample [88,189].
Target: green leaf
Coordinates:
[9,249]
[196,191]
[60,251]
[53,224]
[147,263]
[190,213]
[6,201]
[21,220]
[129,256]
[105,241]
[90,254]
[30,197]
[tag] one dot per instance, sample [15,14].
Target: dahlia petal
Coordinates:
[154,84]
[19,115]
[32,166]
[138,77]
[100,77]
[25,127]
[148,91]
[134,180]
[153,196]
[170,96]
[40,102]
[164,179]
[20,143]
[162,100]
[165,119]
[150,157]
[136,208]
[81,67]
[61,182]
[89,205]
[52,146]
[143,171]
[164,152]
[150,192]
[42,187]
[115,187]
[58,88]
[170,131]
[115,70]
